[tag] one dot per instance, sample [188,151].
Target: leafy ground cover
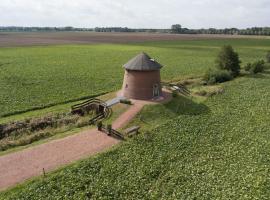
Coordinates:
[38,77]
[220,150]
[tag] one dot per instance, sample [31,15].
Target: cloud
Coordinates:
[136,14]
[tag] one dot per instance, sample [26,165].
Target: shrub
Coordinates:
[255,67]
[217,76]
[174,94]
[248,66]
[125,101]
[268,57]
[228,59]
[99,125]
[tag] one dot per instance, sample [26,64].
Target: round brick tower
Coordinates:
[142,78]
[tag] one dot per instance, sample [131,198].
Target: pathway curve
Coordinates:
[20,166]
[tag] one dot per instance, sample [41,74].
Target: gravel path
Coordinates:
[20,166]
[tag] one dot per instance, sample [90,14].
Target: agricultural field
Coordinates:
[15,39]
[212,149]
[38,77]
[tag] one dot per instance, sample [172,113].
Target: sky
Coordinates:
[136,13]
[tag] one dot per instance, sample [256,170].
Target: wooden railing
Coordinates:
[92,105]
[111,132]
[181,88]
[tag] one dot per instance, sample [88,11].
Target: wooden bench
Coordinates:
[132,130]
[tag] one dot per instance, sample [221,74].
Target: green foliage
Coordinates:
[37,77]
[255,67]
[176,28]
[228,59]
[213,76]
[248,67]
[125,101]
[268,57]
[220,154]
[174,94]
[99,125]
[208,91]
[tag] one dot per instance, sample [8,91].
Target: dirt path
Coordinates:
[20,166]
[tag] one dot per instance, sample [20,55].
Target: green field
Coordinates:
[220,150]
[37,77]
[195,148]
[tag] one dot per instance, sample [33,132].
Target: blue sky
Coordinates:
[136,13]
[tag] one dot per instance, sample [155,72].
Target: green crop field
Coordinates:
[216,149]
[37,77]
[195,148]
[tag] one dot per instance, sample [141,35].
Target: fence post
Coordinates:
[44,173]
[109,128]
[99,126]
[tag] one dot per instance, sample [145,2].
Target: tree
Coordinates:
[68,28]
[268,57]
[228,59]
[176,28]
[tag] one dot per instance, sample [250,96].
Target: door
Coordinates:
[156,90]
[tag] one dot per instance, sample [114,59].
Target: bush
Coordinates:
[268,57]
[228,60]
[248,67]
[217,76]
[99,125]
[174,94]
[125,101]
[255,67]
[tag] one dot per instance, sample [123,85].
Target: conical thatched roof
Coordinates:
[142,62]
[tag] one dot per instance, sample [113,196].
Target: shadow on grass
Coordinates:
[263,75]
[152,115]
[266,72]
[186,106]
[2,64]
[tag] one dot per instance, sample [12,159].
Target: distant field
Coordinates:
[54,38]
[32,77]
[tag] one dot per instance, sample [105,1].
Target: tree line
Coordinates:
[41,29]
[176,29]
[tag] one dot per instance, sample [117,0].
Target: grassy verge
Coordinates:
[220,152]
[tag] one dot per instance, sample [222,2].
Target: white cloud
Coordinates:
[135,13]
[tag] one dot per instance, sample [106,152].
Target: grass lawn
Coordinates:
[220,150]
[37,77]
